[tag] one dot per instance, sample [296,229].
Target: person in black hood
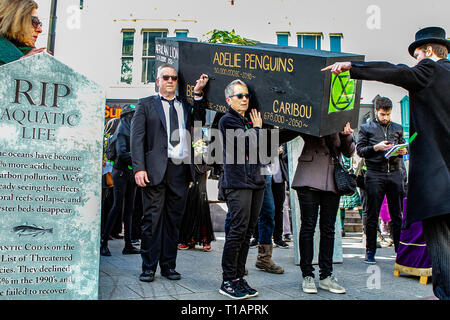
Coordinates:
[124,185]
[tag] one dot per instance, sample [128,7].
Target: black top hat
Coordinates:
[429,35]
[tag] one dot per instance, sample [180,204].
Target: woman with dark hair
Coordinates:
[19,29]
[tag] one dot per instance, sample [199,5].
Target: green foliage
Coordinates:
[222,36]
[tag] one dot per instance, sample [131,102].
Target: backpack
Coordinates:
[110,151]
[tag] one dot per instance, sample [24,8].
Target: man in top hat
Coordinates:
[428,83]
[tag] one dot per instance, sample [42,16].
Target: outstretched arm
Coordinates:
[412,79]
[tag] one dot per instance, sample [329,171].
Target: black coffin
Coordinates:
[285,83]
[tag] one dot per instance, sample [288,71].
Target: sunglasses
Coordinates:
[166,77]
[36,22]
[241,95]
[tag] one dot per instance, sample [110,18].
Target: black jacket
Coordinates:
[373,133]
[245,175]
[123,160]
[428,84]
[149,136]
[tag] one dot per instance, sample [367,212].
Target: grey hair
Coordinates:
[158,73]
[229,90]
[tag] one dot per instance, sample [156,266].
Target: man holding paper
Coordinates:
[383,176]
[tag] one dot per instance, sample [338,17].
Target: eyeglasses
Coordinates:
[36,22]
[241,95]
[166,77]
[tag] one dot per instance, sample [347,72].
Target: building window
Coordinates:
[309,40]
[283,38]
[335,42]
[126,73]
[181,33]
[148,54]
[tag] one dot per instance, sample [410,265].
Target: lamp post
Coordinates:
[52,27]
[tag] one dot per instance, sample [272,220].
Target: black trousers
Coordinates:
[310,201]
[163,209]
[279,195]
[244,206]
[377,185]
[436,231]
[123,206]
[137,216]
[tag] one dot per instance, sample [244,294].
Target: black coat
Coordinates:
[123,159]
[246,175]
[149,136]
[428,84]
[373,133]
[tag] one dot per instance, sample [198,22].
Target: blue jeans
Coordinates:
[266,222]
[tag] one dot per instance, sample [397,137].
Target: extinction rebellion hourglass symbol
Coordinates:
[342,93]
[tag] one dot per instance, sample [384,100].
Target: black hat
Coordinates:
[429,35]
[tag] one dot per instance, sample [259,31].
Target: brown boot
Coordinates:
[264,260]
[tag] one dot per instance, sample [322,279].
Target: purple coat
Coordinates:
[315,167]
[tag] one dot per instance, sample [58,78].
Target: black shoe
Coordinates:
[117,236]
[280,243]
[233,290]
[104,251]
[130,250]
[246,288]
[253,243]
[147,276]
[287,238]
[171,274]
[370,257]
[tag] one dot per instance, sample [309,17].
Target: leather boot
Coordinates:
[264,260]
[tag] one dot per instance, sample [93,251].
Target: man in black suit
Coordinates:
[428,83]
[162,163]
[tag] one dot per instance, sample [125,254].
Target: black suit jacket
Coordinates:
[149,136]
[428,84]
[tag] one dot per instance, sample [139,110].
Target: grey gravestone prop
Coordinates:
[51,124]
[285,83]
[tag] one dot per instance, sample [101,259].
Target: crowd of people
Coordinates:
[157,188]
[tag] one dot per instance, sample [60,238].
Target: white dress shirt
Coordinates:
[181,150]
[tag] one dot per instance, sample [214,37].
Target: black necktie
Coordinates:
[174,137]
